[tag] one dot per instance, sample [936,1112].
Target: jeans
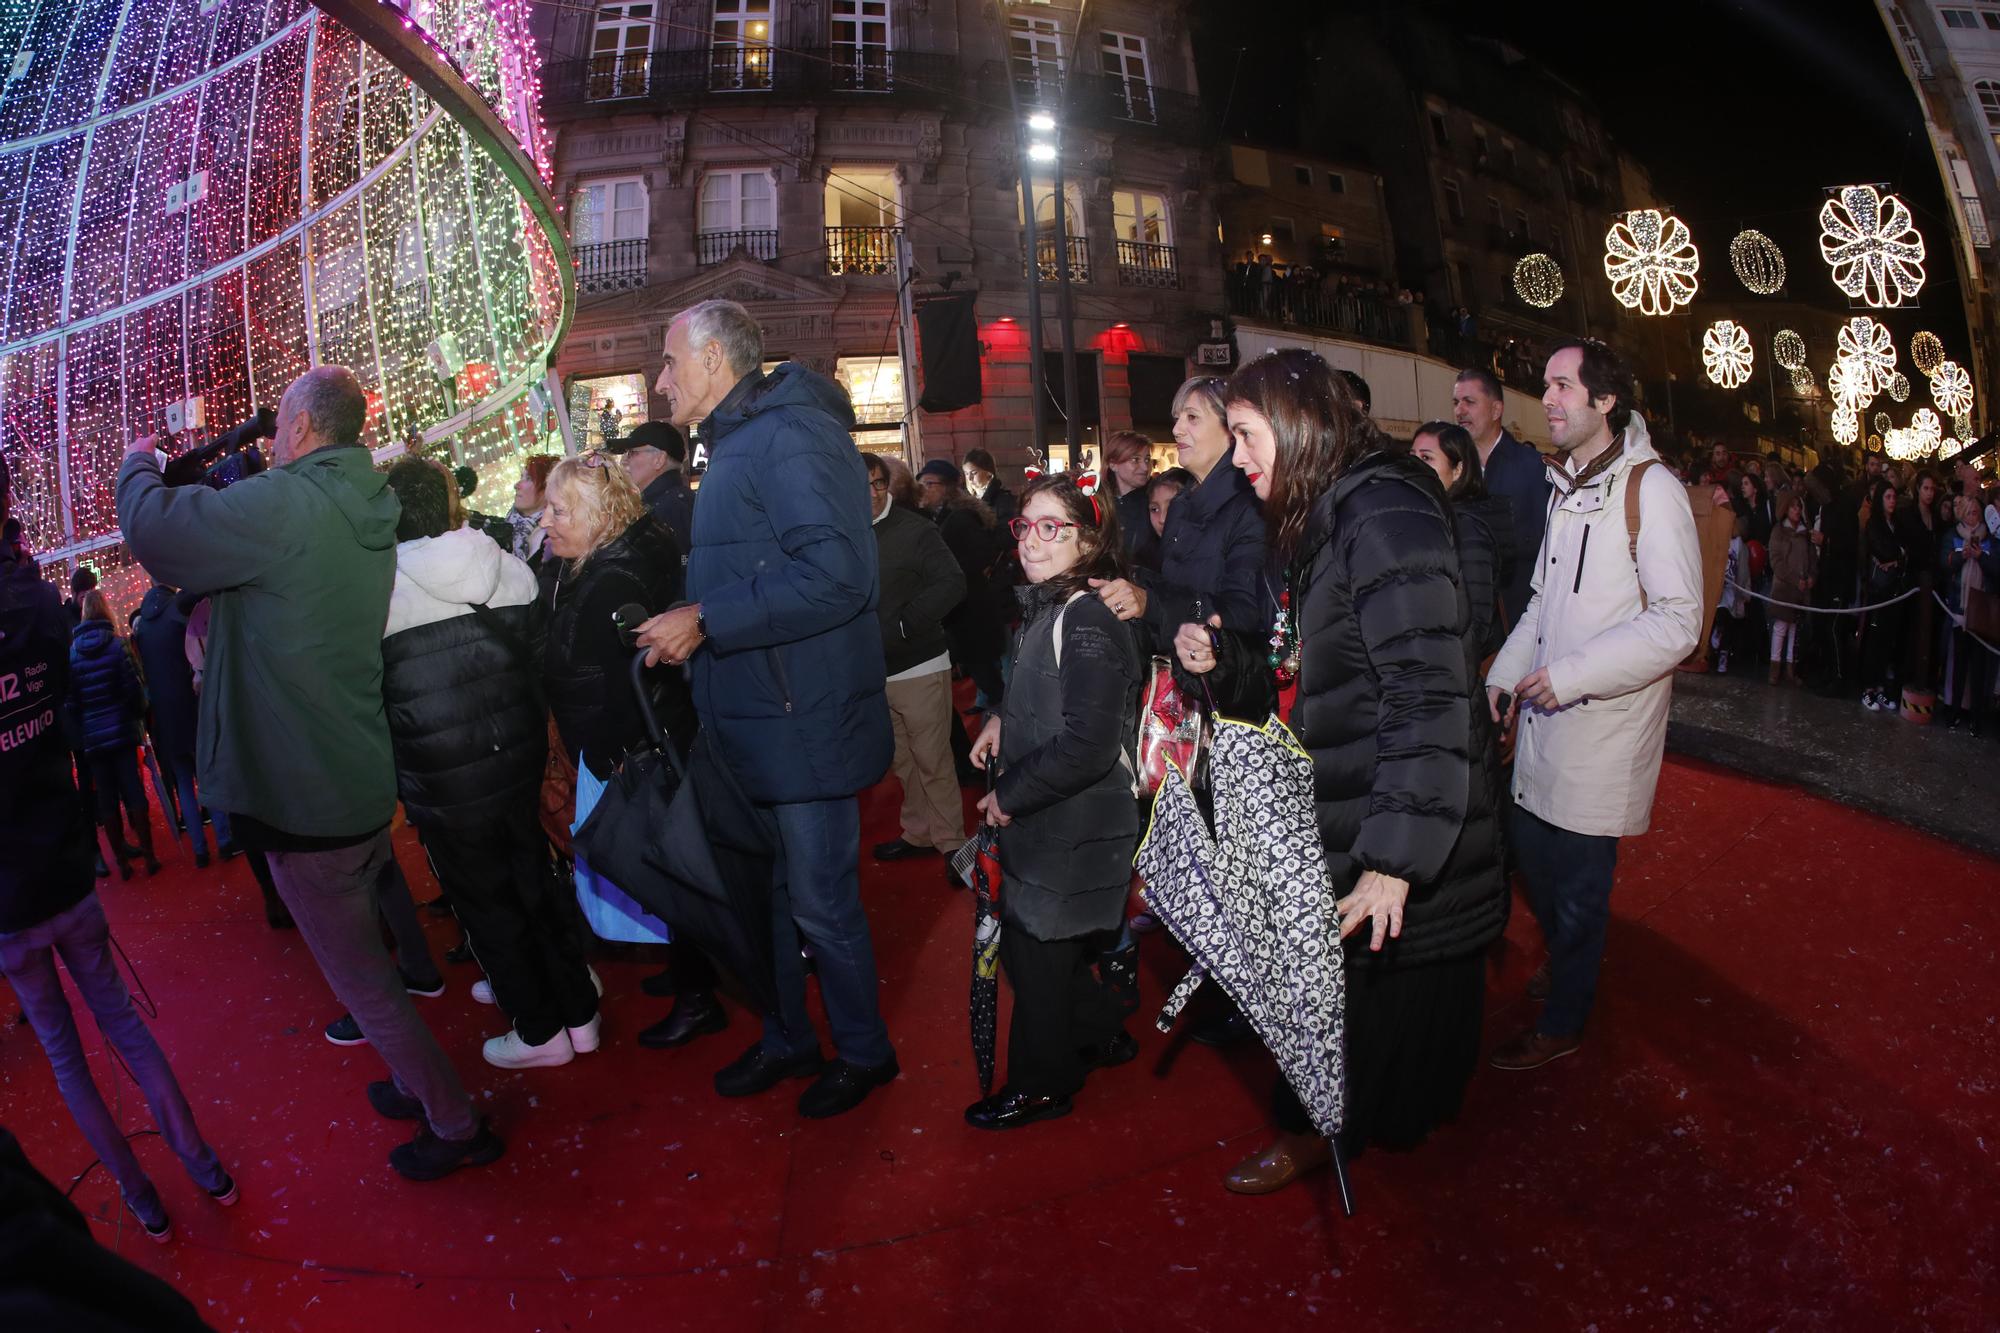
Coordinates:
[83,938]
[399,911]
[1569,888]
[183,779]
[333,897]
[115,774]
[816,893]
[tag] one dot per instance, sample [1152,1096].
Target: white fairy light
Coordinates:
[1872,246]
[1759,263]
[1924,424]
[1788,349]
[1866,344]
[1849,384]
[1651,261]
[1962,423]
[1951,389]
[1538,280]
[1926,352]
[1881,422]
[1726,354]
[1803,381]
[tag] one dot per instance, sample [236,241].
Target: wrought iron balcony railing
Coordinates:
[1143,264]
[712,247]
[730,70]
[861,250]
[1078,253]
[611,266]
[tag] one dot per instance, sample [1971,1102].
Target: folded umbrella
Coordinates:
[978,864]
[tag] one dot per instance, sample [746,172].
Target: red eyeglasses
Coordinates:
[1048,529]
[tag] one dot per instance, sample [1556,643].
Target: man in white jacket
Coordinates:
[1589,671]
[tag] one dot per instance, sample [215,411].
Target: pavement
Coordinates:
[1941,782]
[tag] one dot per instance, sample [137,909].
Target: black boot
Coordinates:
[694,1014]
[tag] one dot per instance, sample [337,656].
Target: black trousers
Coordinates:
[1060,1010]
[504,893]
[115,774]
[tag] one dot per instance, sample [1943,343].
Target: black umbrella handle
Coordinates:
[653,729]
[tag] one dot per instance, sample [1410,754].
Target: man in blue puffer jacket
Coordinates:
[788,675]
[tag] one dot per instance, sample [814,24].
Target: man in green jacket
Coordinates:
[292,740]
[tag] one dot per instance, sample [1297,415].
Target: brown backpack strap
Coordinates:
[1632,518]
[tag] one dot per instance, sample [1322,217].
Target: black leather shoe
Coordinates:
[756,1071]
[1229,1028]
[1120,972]
[693,1014]
[843,1087]
[1011,1110]
[898,850]
[428,1157]
[661,985]
[1121,1049]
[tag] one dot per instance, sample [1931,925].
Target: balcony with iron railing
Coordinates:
[1077,249]
[1295,299]
[714,247]
[1111,102]
[667,78]
[610,266]
[1144,264]
[861,251]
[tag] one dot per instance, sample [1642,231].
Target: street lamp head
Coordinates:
[1041,122]
[1041,152]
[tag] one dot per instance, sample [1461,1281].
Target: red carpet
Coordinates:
[1785,1117]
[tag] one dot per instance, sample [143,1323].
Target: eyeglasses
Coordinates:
[1048,529]
[878,484]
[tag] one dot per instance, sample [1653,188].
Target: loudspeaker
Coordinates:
[948,345]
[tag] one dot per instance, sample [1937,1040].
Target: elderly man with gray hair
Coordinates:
[294,740]
[787,669]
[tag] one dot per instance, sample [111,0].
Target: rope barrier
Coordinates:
[1821,610]
[1958,623]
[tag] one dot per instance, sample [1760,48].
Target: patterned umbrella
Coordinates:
[1253,902]
[978,864]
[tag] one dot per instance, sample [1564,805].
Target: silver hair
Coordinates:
[1208,388]
[334,399]
[732,326]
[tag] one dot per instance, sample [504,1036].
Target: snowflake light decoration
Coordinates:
[1788,349]
[1899,387]
[1803,381]
[1926,427]
[1872,246]
[1849,384]
[1538,280]
[1759,263]
[1951,389]
[1846,425]
[1901,444]
[1651,261]
[1726,354]
[1866,344]
[1926,352]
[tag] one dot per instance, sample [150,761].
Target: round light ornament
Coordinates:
[1881,422]
[1899,387]
[1872,245]
[1788,349]
[1803,381]
[1759,263]
[1651,261]
[1538,280]
[1926,352]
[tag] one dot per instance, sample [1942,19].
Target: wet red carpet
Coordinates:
[1785,1118]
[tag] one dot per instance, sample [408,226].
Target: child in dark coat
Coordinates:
[1063,805]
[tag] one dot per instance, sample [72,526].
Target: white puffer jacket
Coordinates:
[1592,764]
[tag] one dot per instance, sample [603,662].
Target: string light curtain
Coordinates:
[199,199]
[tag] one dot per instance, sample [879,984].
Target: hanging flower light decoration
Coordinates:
[1538,280]
[1849,384]
[1866,344]
[1872,246]
[1726,354]
[1651,261]
[1926,352]
[1951,389]
[1803,381]
[1846,425]
[1901,444]
[1788,349]
[1759,263]
[1899,387]
[1924,424]
[1881,422]
[1948,446]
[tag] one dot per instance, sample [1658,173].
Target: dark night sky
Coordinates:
[1744,110]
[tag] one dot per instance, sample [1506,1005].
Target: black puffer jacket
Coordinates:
[921,584]
[1063,782]
[1402,751]
[1212,548]
[104,687]
[586,665]
[463,693]
[1486,557]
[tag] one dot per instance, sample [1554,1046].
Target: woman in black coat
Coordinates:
[108,702]
[1485,524]
[1885,573]
[606,551]
[1403,760]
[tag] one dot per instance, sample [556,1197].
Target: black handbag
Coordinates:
[623,837]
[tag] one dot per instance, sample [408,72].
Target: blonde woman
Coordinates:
[605,550]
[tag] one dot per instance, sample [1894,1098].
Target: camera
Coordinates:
[226,459]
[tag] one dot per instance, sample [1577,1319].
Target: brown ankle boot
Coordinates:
[1772,677]
[1791,673]
[1288,1158]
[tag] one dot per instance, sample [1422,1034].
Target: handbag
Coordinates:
[624,835]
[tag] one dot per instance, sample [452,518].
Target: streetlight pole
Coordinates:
[1065,314]
[1038,390]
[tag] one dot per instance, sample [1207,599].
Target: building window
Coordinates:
[1989,101]
[1336,183]
[737,208]
[1302,175]
[740,54]
[609,210]
[1076,244]
[1493,213]
[861,220]
[1992,19]
[1454,202]
[1141,216]
[875,384]
[1481,149]
[1521,223]
[1034,45]
[1959,18]
[621,50]
[1282,232]
[604,407]
[861,45]
[1123,57]
[1440,132]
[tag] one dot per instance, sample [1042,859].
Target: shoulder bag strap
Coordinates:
[1633,518]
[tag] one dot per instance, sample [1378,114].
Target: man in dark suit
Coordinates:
[1511,469]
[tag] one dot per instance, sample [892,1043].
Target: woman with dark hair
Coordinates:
[1401,748]
[982,480]
[1886,573]
[109,701]
[1922,523]
[1128,465]
[1063,805]
[1485,524]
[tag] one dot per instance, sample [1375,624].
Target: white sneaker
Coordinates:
[584,1040]
[596,983]
[510,1052]
[482,992]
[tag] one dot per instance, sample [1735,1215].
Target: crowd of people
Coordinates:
[1479,685]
